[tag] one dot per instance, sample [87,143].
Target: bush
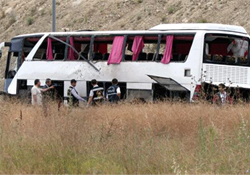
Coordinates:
[43,12]
[202,20]
[30,21]
[171,10]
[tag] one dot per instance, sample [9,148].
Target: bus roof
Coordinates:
[184,27]
[199,26]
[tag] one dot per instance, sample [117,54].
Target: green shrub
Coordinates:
[171,10]
[30,21]
[202,20]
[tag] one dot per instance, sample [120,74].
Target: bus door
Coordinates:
[14,61]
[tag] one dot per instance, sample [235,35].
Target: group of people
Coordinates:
[96,96]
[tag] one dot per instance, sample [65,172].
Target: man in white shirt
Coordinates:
[36,94]
[239,47]
[73,97]
[114,92]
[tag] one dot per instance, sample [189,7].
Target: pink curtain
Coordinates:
[168,50]
[137,47]
[49,53]
[115,56]
[71,53]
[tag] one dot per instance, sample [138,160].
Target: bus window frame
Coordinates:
[179,34]
[75,36]
[225,63]
[19,57]
[66,49]
[59,37]
[93,37]
[134,35]
[18,62]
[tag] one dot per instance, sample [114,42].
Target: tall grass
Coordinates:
[127,138]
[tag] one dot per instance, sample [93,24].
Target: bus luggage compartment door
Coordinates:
[172,86]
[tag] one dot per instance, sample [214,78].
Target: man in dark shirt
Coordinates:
[73,97]
[114,92]
[96,95]
[48,95]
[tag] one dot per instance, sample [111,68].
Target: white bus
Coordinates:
[168,60]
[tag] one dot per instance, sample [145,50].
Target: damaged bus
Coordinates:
[167,61]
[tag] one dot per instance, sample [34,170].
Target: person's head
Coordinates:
[114,81]
[73,82]
[222,87]
[37,83]
[48,82]
[93,82]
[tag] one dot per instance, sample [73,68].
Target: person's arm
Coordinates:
[35,99]
[77,96]
[230,100]
[215,98]
[34,96]
[90,100]
[118,90]
[47,89]
[91,94]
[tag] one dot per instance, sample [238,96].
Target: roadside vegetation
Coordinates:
[169,138]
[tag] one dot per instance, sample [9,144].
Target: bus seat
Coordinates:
[159,57]
[176,57]
[208,57]
[128,57]
[230,59]
[85,55]
[218,57]
[97,56]
[58,56]
[106,56]
[150,56]
[242,60]
[142,56]
[43,56]
[182,57]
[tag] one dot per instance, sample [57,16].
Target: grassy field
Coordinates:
[125,139]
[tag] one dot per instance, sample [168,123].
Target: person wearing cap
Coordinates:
[73,97]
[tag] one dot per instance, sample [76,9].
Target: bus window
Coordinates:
[82,45]
[180,49]
[225,49]
[56,48]
[102,47]
[11,64]
[29,43]
[146,46]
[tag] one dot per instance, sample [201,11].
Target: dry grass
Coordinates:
[142,138]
